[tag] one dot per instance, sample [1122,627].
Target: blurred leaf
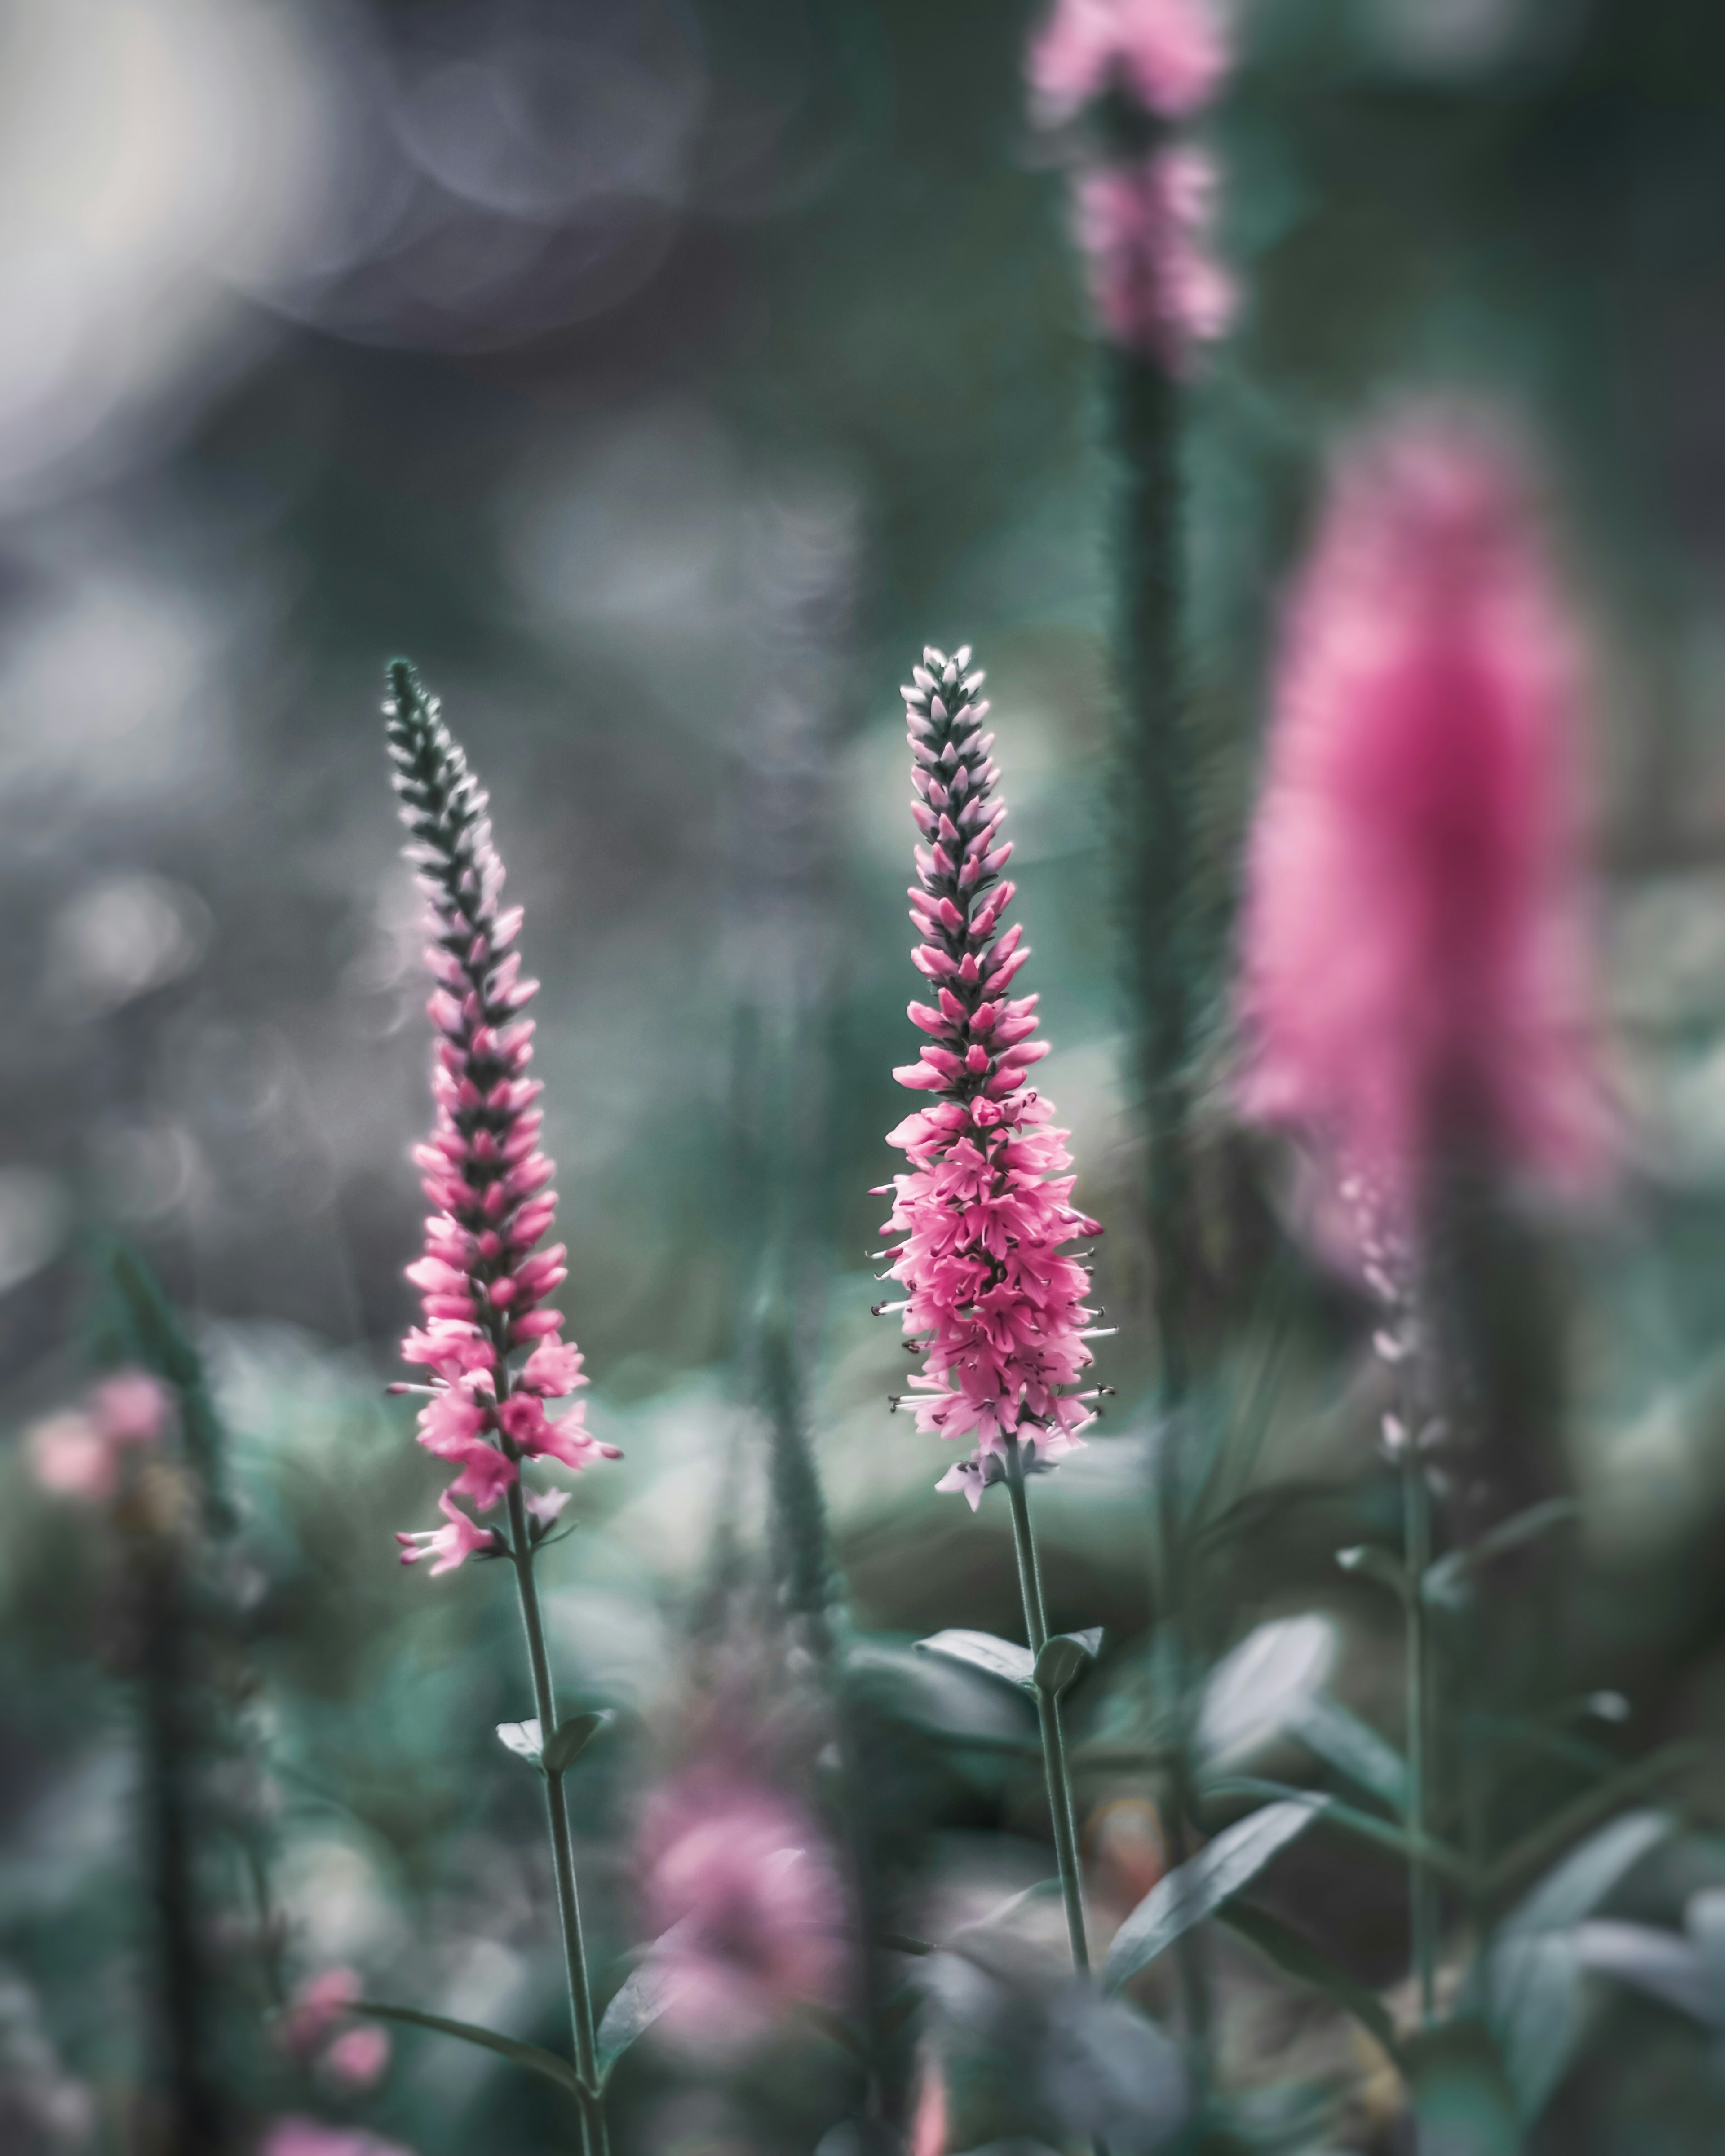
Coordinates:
[1186,1896]
[638,2002]
[1462,2098]
[1663,1964]
[1110,2074]
[982,1651]
[1305,1961]
[1258,1686]
[1438,1854]
[1446,1583]
[1351,1747]
[1061,1659]
[833,2027]
[1575,1888]
[521,1738]
[1010,1908]
[545,2064]
[1536,1848]
[570,1739]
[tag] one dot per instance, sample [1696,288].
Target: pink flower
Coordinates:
[1170,56]
[72,1457]
[482,1277]
[983,1209]
[1415,969]
[1144,230]
[748,1905]
[310,2030]
[450,1546]
[308,2136]
[358,2058]
[131,1408]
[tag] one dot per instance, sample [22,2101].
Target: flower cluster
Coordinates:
[983,1209]
[311,2029]
[1143,203]
[483,1277]
[84,1454]
[1416,973]
[746,1903]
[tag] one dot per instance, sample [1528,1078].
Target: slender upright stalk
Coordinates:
[1416,1519]
[594,2136]
[1055,1768]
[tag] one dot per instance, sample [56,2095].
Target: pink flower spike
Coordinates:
[71,1457]
[483,1172]
[983,1209]
[306,2137]
[1416,975]
[1169,55]
[1145,231]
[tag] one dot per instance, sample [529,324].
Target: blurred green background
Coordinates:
[660,377]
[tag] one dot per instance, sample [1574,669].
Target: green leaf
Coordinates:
[1199,1888]
[1462,2098]
[999,1658]
[1545,1842]
[1370,1563]
[1350,1819]
[1446,1583]
[521,1738]
[636,2004]
[1305,1961]
[571,1738]
[1351,1747]
[1061,1659]
[545,2064]
[1575,1888]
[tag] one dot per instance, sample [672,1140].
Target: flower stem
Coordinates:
[1416,1519]
[594,2136]
[1048,1710]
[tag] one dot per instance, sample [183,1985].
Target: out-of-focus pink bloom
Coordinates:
[358,2058]
[1169,55]
[737,1876]
[928,2128]
[1416,971]
[985,1209]
[450,1546]
[71,1456]
[1145,232]
[131,1408]
[482,1277]
[309,2137]
[79,1454]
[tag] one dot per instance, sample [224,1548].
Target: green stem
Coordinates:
[1416,1519]
[594,2136]
[1055,1770]
[1180,1808]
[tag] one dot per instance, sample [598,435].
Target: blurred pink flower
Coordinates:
[309,2136]
[71,1457]
[482,1276]
[1169,55]
[983,1207]
[928,2128]
[358,2058]
[1415,967]
[736,1874]
[1144,229]
[310,2029]
[79,1454]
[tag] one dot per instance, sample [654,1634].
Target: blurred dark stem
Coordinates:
[1155,808]
[1422,1887]
[1048,1710]
[192,2122]
[594,2138]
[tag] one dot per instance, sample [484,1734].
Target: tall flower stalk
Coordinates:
[493,1352]
[993,1300]
[1415,990]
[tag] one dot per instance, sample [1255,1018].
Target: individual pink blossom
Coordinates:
[1144,229]
[483,1277]
[1415,970]
[309,2136]
[358,2058]
[746,1903]
[452,1545]
[983,1209]
[82,1455]
[1170,56]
